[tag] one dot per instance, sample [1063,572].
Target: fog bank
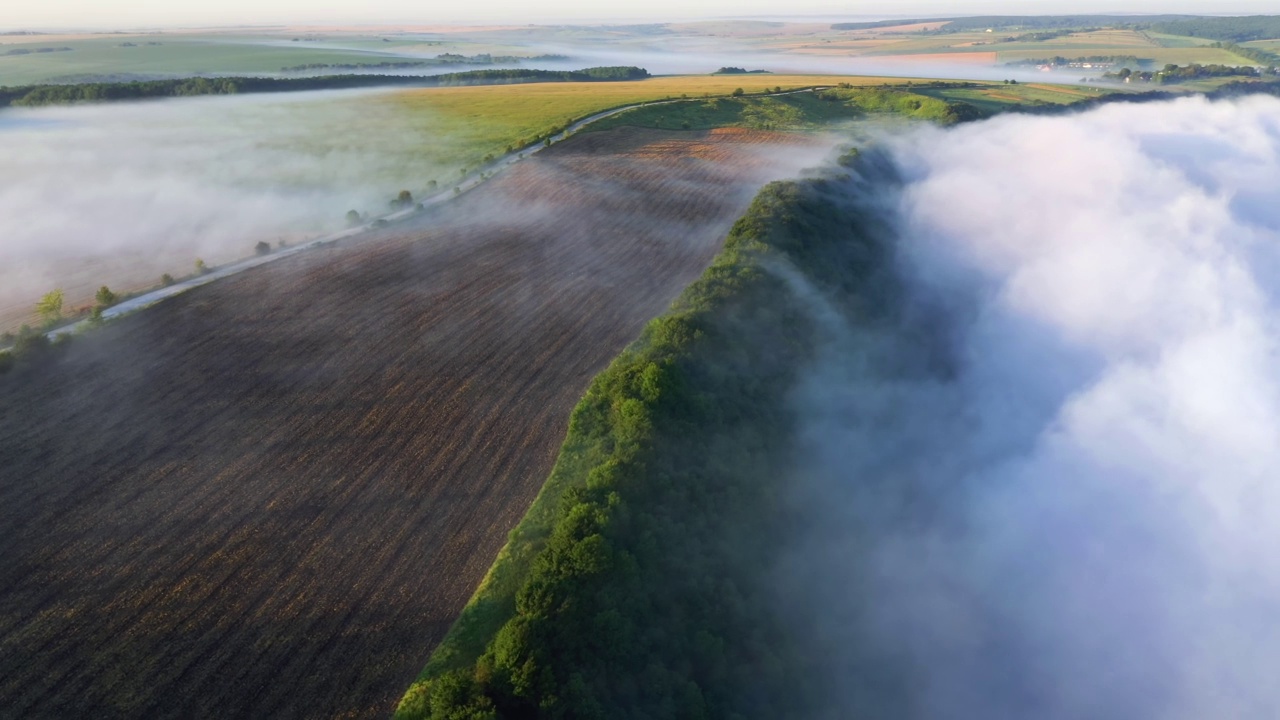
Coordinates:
[119,194]
[1064,504]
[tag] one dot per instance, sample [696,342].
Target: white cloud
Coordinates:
[1100,472]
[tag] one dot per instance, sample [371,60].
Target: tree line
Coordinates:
[33,51]
[1172,74]
[1229,29]
[37,95]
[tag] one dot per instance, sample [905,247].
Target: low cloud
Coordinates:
[1064,505]
[122,193]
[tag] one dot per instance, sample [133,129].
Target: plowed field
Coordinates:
[271,496]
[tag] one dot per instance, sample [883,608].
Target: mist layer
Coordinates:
[119,194]
[1047,488]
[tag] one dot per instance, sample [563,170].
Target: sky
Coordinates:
[107,14]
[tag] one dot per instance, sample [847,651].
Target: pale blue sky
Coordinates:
[16,14]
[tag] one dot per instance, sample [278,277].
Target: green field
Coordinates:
[175,56]
[1178,41]
[996,98]
[180,55]
[1267,45]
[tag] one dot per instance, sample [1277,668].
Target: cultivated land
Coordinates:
[271,497]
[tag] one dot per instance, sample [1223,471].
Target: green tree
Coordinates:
[105,297]
[353,218]
[262,248]
[201,268]
[166,280]
[739,92]
[50,306]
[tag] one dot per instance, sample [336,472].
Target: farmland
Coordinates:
[282,487]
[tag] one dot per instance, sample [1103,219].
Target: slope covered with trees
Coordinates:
[644,595]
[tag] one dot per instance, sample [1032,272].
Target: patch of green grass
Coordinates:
[998,98]
[1267,45]
[1178,41]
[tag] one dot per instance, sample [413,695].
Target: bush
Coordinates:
[106,298]
[402,201]
[166,280]
[262,248]
[50,306]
